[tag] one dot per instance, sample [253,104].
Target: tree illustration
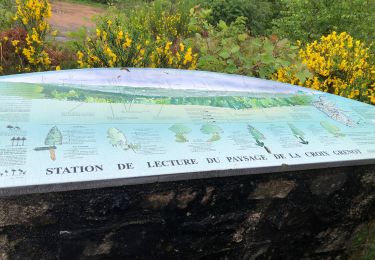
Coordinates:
[53,138]
[334,130]
[213,130]
[23,139]
[258,137]
[118,139]
[18,140]
[180,132]
[299,134]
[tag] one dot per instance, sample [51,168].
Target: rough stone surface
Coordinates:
[293,215]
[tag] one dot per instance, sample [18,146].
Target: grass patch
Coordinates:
[130,4]
[363,245]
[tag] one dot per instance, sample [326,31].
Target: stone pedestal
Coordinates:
[311,214]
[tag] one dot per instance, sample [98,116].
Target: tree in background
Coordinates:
[6,14]
[258,13]
[308,20]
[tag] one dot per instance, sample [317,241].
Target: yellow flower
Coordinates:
[182,47]
[79,55]
[104,35]
[339,64]
[58,68]
[128,41]
[120,35]
[167,46]
[15,42]
[188,56]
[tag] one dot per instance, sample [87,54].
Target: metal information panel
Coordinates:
[80,126]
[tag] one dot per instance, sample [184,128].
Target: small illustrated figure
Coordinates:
[334,130]
[13,140]
[23,139]
[54,138]
[213,130]
[118,139]
[13,128]
[299,134]
[258,136]
[12,173]
[180,132]
[18,139]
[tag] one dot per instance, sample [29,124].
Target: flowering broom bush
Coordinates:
[164,18]
[23,48]
[33,15]
[114,47]
[339,64]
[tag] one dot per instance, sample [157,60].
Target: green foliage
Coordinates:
[308,20]
[7,11]
[362,246]
[230,49]
[77,36]
[259,13]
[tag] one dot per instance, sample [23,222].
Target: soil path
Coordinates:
[68,16]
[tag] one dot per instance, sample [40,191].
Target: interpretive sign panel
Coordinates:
[124,124]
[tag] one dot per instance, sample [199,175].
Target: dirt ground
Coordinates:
[71,16]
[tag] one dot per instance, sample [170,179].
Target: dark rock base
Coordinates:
[293,215]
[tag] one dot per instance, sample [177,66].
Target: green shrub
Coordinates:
[308,20]
[259,13]
[230,49]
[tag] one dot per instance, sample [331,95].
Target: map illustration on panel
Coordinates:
[138,124]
